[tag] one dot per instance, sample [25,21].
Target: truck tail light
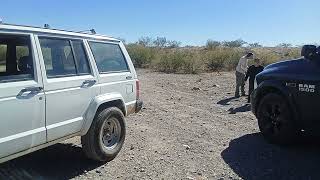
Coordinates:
[137,89]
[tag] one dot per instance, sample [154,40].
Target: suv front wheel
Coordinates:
[275,120]
[106,135]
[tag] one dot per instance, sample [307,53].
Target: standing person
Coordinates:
[241,73]
[251,74]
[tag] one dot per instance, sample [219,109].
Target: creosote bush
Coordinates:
[213,57]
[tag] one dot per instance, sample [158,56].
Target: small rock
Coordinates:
[196,89]
[186,146]
[97,171]
[215,85]
[131,148]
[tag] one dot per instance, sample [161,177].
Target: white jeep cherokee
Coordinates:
[57,84]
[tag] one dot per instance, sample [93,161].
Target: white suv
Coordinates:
[57,84]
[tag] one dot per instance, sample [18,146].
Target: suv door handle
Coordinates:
[129,77]
[32,89]
[88,83]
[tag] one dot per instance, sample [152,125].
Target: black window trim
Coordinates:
[69,39]
[86,54]
[114,43]
[31,54]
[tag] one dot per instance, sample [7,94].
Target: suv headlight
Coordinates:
[255,83]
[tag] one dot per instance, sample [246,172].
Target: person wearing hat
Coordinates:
[241,71]
[253,70]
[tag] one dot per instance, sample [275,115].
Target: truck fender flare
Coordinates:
[284,91]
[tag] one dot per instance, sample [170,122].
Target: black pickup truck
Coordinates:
[286,99]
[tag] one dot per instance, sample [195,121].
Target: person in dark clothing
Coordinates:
[251,74]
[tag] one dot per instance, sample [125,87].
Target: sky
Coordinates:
[191,22]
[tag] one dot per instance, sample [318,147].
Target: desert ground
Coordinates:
[190,128]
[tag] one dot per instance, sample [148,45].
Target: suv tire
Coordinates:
[106,135]
[275,120]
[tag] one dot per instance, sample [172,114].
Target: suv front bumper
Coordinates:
[139,104]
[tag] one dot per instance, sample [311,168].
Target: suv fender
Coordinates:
[274,86]
[95,104]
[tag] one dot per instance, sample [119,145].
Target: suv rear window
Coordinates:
[16,62]
[108,57]
[63,57]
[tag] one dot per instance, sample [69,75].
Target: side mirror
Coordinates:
[309,51]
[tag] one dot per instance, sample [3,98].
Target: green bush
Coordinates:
[171,62]
[141,55]
[222,58]
[196,59]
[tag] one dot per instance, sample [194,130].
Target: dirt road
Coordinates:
[190,128]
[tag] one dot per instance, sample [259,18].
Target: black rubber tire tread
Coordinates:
[91,142]
[289,131]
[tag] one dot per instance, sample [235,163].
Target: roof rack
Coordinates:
[47,26]
[92,31]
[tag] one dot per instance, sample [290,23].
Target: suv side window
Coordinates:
[16,62]
[108,57]
[63,57]
[81,57]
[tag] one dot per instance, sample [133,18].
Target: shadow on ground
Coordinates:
[234,110]
[252,158]
[226,101]
[61,161]
[243,108]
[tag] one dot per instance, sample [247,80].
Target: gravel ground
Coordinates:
[189,128]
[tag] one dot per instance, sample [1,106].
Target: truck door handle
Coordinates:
[129,77]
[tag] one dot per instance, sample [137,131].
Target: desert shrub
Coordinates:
[222,59]
[255,45]
[234,44]
[141,55]
[145,41]
[272,55]
[171,61]
[173,44]
[193,63]
[211,44]
[160,42]
[166,56]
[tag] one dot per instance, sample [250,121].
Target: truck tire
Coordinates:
[106,135]
[275,120]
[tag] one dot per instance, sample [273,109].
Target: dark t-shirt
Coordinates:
[252,72]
